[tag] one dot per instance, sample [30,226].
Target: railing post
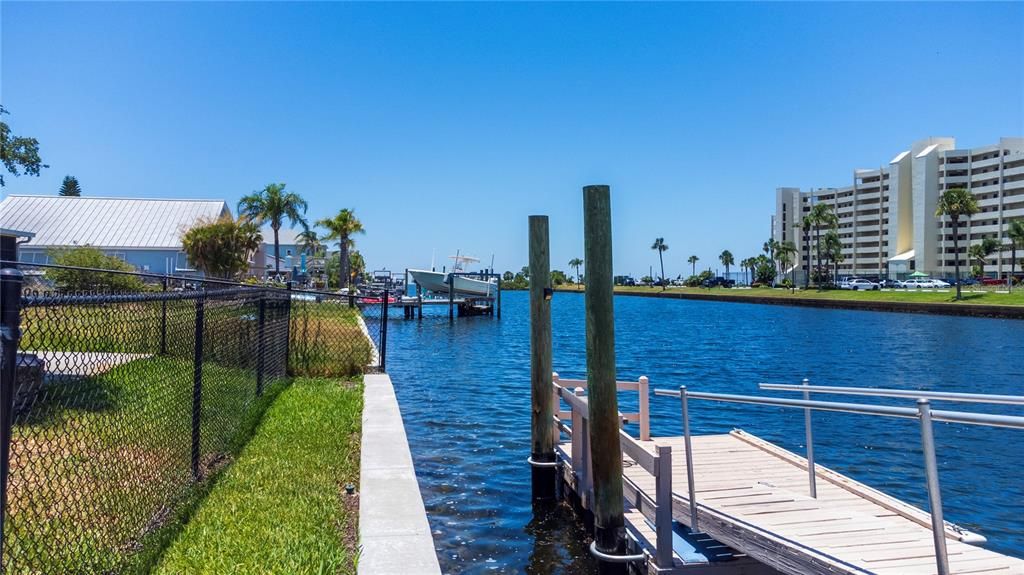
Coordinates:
[10,331]
[934,494]
[645,409]
[163,321]
[261,344]
[197,384]
[579,435]
[663,513]
[556,403]
[811,474]
[384,332]
[692,489]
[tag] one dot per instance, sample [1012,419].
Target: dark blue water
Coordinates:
[464,392]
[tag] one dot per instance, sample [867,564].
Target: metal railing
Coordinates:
[899,393]
[923,413]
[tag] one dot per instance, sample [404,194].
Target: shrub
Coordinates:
[81,280]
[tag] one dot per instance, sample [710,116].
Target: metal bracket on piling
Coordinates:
[615,558]
[542,463]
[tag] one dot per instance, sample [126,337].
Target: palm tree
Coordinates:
[784,253]
[273,205]
[821,216]
[221,248]
[727,260]
[576,263]
[1015,231]
[748,267]
[833,252]
[980,252]
[662,247]
[692,260]
[805,225]
[341,228]
[309,243]
[956,203]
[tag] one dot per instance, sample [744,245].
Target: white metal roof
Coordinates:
[106,222]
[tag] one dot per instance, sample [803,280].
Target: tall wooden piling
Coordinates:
[542,454]
[609,530]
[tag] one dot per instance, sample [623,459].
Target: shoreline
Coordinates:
[1001,311]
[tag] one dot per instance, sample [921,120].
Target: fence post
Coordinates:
[691,488]
[197,385]
[288,329]
[261,344]
[644,405]
[384,331]
[10,317]
[663,510]
[163,321]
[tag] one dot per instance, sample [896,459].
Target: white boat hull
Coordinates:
[437,282]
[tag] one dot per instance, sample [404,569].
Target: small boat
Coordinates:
[438,282]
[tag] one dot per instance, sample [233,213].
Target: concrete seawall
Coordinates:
[393,531]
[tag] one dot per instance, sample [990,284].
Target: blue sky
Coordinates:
[445,125]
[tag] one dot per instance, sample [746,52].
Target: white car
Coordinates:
[924,283]
[859,284]
[940,284]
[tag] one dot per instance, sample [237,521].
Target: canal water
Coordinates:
[464,392]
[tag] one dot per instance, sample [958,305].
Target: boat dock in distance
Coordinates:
[732,504]
[468,293]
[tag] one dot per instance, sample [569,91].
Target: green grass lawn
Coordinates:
[984,297]
[281,507]
[326,340]
[101,465]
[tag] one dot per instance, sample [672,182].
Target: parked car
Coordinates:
[858,284]
[964,281]
[924,282]
[993,281]
[718,282]
[887,283]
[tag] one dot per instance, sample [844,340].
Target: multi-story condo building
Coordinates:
[886,215]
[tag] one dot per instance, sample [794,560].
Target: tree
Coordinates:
[822,216]
[784,254]
[833,252]
[748,268]
[662,247]
[273,205]
[309,242]
[805,226]
[70,187]
[576,263]
[764,270]
[647,280]
[341,228]
[692,260]
[980,252]
[80,280]
[19,154]
[508,276]
[558,277]
[222,247]
[357,265]
[1015,231]
[525,272]
[727,260]
[956,203]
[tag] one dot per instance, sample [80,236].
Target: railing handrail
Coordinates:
[903,393]
[988,419]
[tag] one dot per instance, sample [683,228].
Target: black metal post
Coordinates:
[288,330]
[163,321]
[384,332]
[10,318]
[451,296]
[499,295]
[261,344]
[197,386]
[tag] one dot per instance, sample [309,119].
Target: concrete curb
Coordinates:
[393,531]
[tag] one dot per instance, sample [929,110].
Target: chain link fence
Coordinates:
[120,406]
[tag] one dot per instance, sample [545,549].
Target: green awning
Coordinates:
[918,275]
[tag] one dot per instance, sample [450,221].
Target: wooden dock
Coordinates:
[753,502]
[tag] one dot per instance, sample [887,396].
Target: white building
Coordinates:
[887,221]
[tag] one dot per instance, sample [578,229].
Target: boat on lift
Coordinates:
[464,285]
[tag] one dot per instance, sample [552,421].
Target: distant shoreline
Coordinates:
[837,300]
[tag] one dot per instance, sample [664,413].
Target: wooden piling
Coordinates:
[609,529]
[542,433]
